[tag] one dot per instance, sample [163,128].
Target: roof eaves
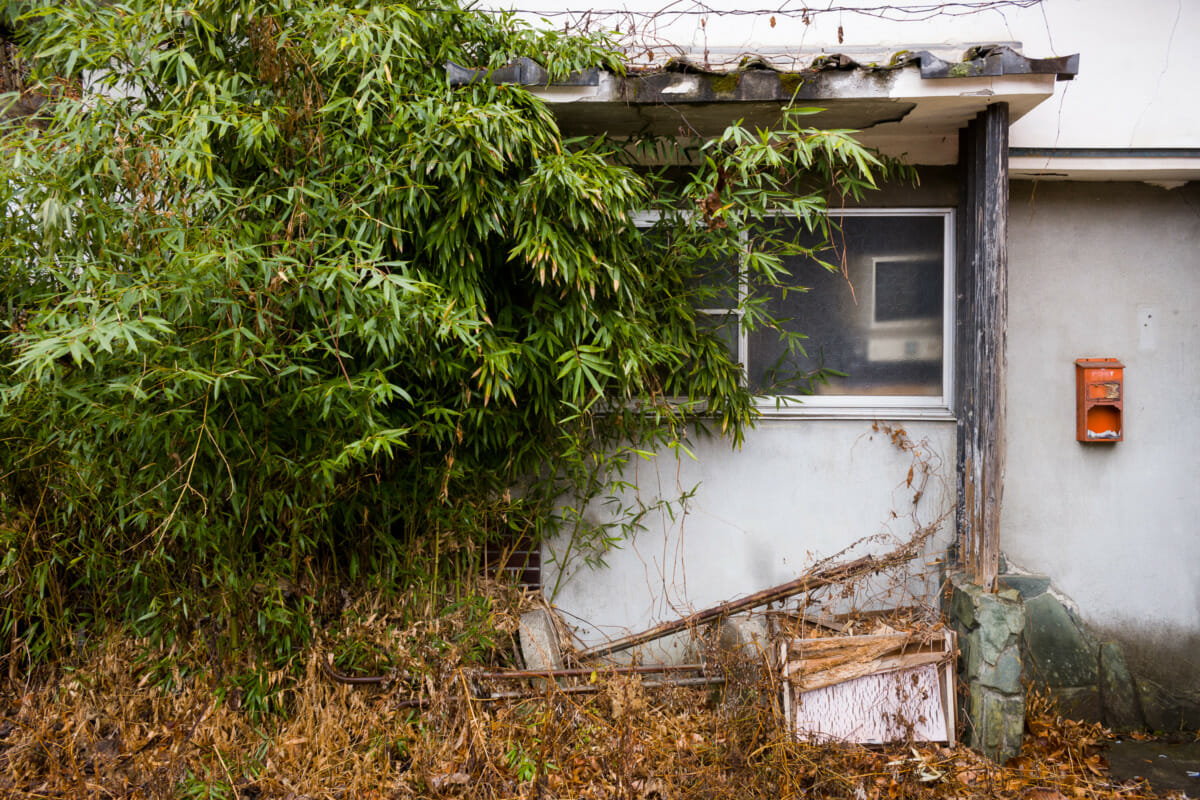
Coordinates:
[996,60]
[522,72]
[980,61]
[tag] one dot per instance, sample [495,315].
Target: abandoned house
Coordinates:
[1027,316]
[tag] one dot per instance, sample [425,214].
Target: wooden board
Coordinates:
[892,706]
[870,689]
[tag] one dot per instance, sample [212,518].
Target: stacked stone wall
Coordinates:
[1088,678]
[992,693]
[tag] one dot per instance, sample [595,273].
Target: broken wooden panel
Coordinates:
[871,689]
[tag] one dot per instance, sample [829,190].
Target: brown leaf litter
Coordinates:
[117,725]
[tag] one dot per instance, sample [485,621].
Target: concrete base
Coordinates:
[539,640]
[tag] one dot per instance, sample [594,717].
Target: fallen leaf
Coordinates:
[1040,793]
[439,782]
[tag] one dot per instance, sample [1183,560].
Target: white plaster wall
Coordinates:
[1109,270]
[1137,76]
[1096,269]
[797,491]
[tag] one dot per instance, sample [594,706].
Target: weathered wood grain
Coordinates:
[981,331]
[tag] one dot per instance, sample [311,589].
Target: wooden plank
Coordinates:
[814,663]
[981,333]
[806,681]
[949,675]
[828,644]
[863,653]
[994,319]
[907,693]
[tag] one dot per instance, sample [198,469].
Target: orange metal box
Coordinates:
[1099,400]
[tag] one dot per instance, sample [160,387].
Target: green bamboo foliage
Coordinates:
[279,298]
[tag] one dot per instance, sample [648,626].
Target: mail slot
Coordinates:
[1099,400]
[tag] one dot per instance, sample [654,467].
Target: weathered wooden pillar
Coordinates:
[981,321]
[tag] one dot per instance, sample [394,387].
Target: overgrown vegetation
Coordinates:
[283,305]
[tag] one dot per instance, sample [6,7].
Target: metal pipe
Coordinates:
[361,680]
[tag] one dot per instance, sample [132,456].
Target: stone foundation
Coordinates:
[1087,677]
[992,695]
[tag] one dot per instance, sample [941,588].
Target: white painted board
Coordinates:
[884,707]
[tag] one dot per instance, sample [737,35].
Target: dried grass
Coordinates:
[124,723]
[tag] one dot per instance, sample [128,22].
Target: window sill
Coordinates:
[799,409]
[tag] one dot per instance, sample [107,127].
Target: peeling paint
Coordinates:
[683,86]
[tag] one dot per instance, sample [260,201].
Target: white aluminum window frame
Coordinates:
[884,406]
[898,407]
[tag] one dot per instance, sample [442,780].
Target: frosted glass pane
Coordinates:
[877,319]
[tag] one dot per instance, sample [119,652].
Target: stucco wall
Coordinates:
[1103,269]
[797,491]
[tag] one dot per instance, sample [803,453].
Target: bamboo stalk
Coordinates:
[802,585]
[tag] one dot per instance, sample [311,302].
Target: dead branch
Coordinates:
[803,585]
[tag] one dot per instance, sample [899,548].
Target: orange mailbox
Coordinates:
[1099,399]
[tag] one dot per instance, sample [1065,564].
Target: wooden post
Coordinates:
[981,323]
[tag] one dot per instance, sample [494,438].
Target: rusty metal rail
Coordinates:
[575,672]
[516,674]
[480,693]
[707,680]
